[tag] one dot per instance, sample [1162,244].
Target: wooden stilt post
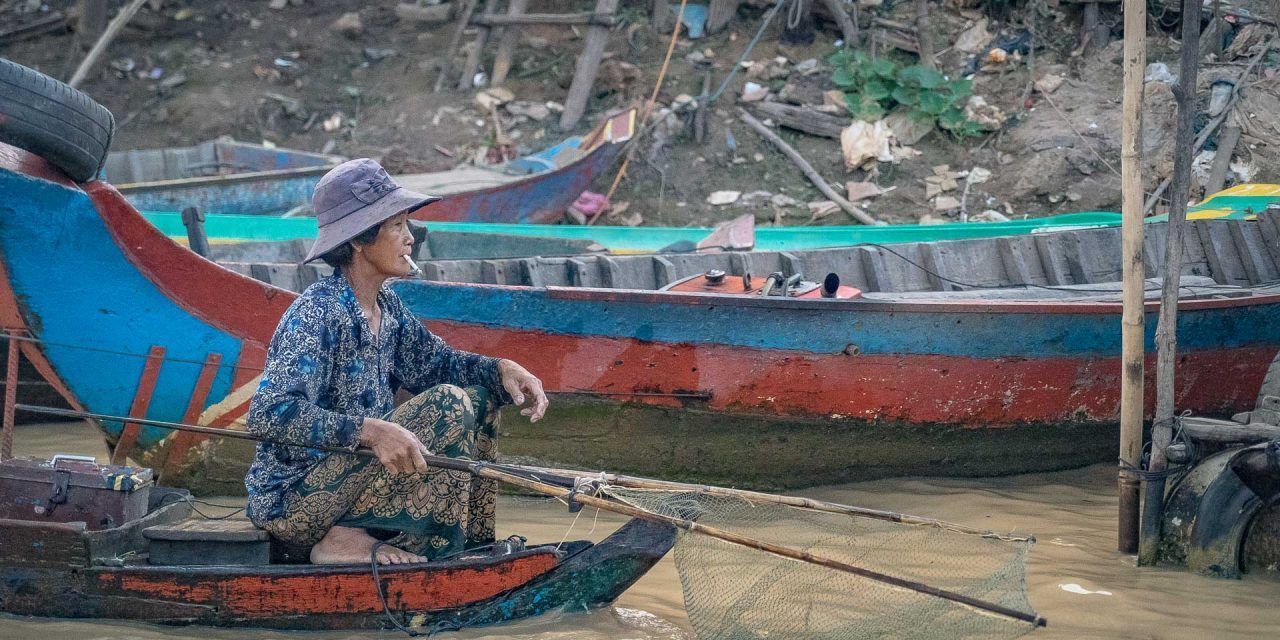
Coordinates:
[584,73]
[10,396]
[473,57]
[720,13]
[660,13]
[1167,330]
[924,35]
[446,62]
[507,38]
[798,27]
[1132,321]
[848,27]
[126,14]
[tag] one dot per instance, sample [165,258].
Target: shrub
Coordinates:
[874,86]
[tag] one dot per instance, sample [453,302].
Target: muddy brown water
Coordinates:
[1076,579]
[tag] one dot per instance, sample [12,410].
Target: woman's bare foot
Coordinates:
[350,545]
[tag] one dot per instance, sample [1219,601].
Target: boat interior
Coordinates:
[1222,257]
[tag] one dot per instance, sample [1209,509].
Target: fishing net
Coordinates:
[735,592]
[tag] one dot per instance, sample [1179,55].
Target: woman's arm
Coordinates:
[300,362]
[423,360]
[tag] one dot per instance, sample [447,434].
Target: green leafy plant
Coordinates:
[874,86]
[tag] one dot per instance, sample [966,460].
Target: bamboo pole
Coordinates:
[807,169]
[1167,330]
[496,472]
[635,482]
[126,14]
[1132,320]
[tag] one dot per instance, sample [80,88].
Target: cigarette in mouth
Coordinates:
[413,266]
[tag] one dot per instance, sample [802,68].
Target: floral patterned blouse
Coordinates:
[326,371]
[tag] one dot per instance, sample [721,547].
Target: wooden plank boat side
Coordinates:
[846,365]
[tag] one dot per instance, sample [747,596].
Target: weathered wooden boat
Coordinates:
[967,357]
[78,559]
[533,189]
[450,240]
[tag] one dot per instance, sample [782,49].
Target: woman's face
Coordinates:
[387,253]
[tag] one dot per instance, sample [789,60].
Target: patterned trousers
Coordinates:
[434,514]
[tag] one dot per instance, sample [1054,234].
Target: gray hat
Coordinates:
[354,196]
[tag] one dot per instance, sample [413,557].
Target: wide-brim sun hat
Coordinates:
[355,196]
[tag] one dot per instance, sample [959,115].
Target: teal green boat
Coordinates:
[496,240]
[242,228]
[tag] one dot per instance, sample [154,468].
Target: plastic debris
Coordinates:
[723,197]
[862,141]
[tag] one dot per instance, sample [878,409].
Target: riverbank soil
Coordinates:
[354,79]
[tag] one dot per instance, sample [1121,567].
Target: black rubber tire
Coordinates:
[54,121]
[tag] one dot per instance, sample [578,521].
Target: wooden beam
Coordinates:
[1224,431]
[588,65]
[490,19]
[848,28]
[141,401]
[184,440]
[801,118]
[50,22]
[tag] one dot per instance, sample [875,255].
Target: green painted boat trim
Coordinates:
[1239,202]
[234,228]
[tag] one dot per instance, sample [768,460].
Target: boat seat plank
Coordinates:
[1098,256]
[196,529]
[1013,257]
[664,271]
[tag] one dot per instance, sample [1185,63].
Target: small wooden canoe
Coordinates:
[537,188]
[62,570]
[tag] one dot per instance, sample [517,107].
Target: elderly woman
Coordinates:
[337,358]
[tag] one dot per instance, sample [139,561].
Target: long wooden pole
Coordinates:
[126,14]
[806,168]
[495,472]
[1167,330]
[635,482]
[1132,321]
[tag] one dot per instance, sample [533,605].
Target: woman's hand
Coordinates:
[524,388]
[397,448]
